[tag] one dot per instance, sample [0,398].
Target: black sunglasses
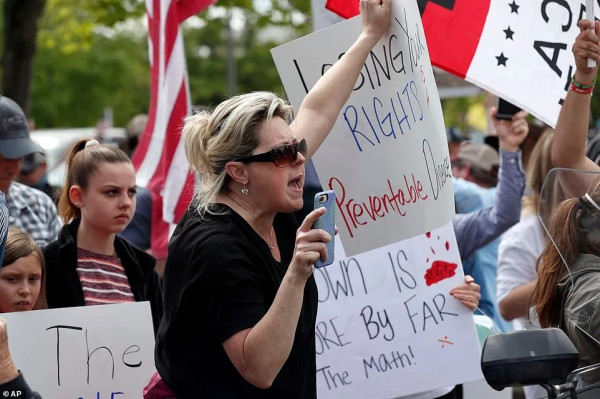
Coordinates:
[282,156]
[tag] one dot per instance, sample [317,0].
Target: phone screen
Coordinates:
[506,110]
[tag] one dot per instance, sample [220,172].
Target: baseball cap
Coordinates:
[14,134]
[32,161]
[482,156]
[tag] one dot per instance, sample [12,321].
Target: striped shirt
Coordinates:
[102,278]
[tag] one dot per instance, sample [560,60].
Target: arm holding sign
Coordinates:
[569,145]
[239,269]
[476,229]
[12,381]
[321,106]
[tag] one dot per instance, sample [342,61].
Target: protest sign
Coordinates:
[387,325]
[88,352]
[386,157]
[524,53]
[519,50]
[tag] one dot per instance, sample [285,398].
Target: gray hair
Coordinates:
[229,132]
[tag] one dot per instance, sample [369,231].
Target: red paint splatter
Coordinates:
[428,234]
[427,260]
[439,270]
[447,246]
[432,250]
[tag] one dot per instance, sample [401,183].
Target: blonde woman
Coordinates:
[240,298]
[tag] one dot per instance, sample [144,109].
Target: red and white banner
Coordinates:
[518,49]
[159,159]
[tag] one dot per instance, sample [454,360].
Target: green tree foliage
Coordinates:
[206,48]
[455,111]
[86,62]
[69,25]
[72,89]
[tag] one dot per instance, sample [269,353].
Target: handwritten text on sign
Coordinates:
[521,47]
[387,156]
[91,352]
[387,325]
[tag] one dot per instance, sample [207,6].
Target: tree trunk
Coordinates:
[20,31]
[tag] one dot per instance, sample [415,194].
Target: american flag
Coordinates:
[159,159]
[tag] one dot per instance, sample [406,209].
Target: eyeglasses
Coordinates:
[282,156]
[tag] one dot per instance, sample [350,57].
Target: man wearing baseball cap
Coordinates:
[29,209]
[477,163]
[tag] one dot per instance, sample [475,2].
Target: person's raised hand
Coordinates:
[511,133]
[587,45]
[376,15]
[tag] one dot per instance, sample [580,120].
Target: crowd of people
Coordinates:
[238,285]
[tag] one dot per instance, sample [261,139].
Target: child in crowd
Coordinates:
[22,276]
[89,264]
[21,289]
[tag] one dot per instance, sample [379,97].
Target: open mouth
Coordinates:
[296,183]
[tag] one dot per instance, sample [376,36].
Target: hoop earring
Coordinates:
[245,190]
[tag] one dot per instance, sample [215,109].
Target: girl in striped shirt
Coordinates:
[89,264]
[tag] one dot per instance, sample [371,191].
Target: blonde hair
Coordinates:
[82,162]
[18,245]
[230,132]
[540,163]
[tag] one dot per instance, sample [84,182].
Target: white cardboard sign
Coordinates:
[525,53]
[88,352]
[387,325]
[386,157]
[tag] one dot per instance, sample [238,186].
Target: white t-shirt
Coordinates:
[519,249]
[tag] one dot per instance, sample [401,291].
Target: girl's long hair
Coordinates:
[572,236]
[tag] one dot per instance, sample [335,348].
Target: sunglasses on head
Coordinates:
[282,156]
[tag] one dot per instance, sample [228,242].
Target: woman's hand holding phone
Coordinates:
[310,246]
[326,222]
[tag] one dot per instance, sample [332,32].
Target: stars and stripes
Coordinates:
[518,50]
[159,158]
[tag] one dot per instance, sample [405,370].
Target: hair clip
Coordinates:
[589,198]
[94,142]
